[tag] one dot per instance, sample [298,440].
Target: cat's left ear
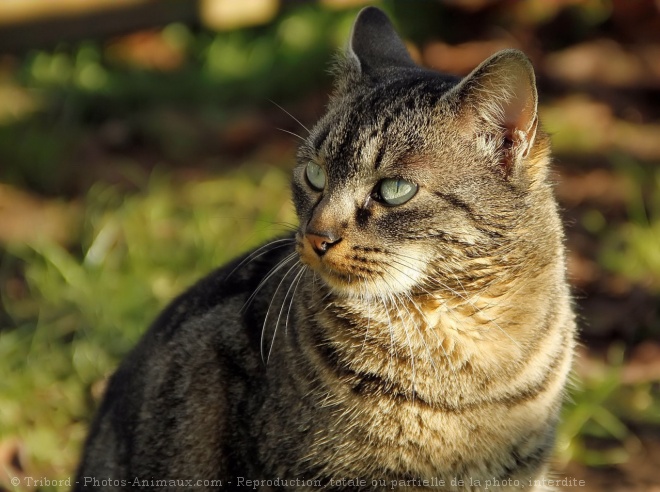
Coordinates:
[499,103]
[374,45]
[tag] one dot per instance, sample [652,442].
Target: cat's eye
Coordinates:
[315,176]
[395,191]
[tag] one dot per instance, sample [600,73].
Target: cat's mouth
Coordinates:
[331,266]
[357,270]
[336,267]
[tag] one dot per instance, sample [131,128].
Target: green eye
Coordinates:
[315,175]
[396,191]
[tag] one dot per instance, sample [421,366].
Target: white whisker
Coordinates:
[259,252]
[272,272]
[292,133]
[263,330]
[293,117]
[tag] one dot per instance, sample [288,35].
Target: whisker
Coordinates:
[470,301]
[296,281]
[422,338]
[256,253]
[287,226]
[393,352]
[421,335]
[366,333]
[291,133]
[294,118]
[277,322]
[440,342]
[410,348]
[272,272]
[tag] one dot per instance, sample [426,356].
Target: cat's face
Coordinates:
[394,188]
[400,181]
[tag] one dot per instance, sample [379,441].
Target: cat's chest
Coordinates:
[377,397]
[419,342]
[383,439]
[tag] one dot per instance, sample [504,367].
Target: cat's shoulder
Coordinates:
[229,286]
[218,312]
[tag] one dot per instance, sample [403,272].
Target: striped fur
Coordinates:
[431,342]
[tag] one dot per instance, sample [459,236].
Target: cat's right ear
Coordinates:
[374,44]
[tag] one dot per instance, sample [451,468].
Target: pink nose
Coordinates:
[321,242]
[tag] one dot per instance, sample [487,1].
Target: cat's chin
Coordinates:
[342,284]
[354,286]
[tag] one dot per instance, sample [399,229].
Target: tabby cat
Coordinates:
[415,331]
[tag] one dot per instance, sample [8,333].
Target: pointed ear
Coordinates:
[499,101]
[374,44]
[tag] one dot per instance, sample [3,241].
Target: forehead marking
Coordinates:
[320,139]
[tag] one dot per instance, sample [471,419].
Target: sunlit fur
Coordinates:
[432,340]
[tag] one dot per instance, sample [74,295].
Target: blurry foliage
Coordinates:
[632,248]
[595,424]
[213,69]
[76,87]
[84,310]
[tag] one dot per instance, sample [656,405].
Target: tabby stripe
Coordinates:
[308,372]
[551,374]
[556,322]
[381,153]
[493,234]
[373,385]
[532,459]
[320,139]
[458,202]
[360,383]
[370,385]
[549,327]
[490,229]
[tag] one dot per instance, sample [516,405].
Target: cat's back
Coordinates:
[165,410]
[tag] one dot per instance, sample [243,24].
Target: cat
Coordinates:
[416,330]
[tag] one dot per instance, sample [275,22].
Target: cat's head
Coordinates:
[413,176]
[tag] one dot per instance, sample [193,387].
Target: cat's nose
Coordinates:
[322,241]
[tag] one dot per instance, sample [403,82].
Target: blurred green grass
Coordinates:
[601,409]
[632,249]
